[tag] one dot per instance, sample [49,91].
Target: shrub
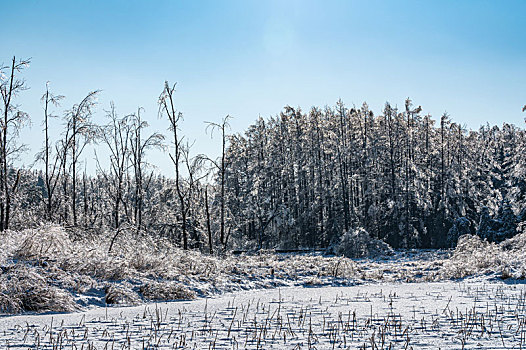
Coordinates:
[474,256]
[358,244]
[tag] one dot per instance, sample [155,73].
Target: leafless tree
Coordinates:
[208,225]
[116,135]
[79,132]
[52,163]
[166,106]
[11,123]
[138,148]
[221,169]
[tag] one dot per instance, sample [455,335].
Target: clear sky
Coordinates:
[249,58]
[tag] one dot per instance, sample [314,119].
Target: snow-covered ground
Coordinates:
[476,313]
[470,297]
[49,269]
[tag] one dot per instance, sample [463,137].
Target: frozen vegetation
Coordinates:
[350,229]
[52,269]
[475,315]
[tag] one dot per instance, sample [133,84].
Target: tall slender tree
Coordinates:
[51,160]
[221,170]
[11,123]
[79,132]
[116,136]
[167,107]
[139,145]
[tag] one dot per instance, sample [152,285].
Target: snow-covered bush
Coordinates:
[45,242]
[474,256]
[358,244]
[313,282]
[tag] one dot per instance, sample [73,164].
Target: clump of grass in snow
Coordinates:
[119,294]
[47,242]
[313,282]
[166,291]
[24,288]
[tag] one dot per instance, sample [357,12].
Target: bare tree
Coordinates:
[116,135]
[192,184]
[208,226]
[138,148]
[221,169]
[79,132]
[10,126]
[52,162]
[166,106]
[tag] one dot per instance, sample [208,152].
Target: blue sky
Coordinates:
[249,58]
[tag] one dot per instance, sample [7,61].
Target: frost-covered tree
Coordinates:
[79,132]
[186,188]
[299,179]
[139,145]
[461,226]
[51,159]
[220,166]
[11,122]
[116,136]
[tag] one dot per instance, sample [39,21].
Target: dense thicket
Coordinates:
[299,179]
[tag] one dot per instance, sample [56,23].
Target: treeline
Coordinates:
[301,179]
[295,180]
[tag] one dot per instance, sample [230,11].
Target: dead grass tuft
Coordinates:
[121,295]
[156,291]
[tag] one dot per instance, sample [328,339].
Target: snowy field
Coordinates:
[472,314]
[466,298]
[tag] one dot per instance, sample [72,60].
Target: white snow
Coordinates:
[472,314]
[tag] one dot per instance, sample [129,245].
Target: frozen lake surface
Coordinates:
[474,314]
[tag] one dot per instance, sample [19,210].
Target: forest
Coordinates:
[296,180]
